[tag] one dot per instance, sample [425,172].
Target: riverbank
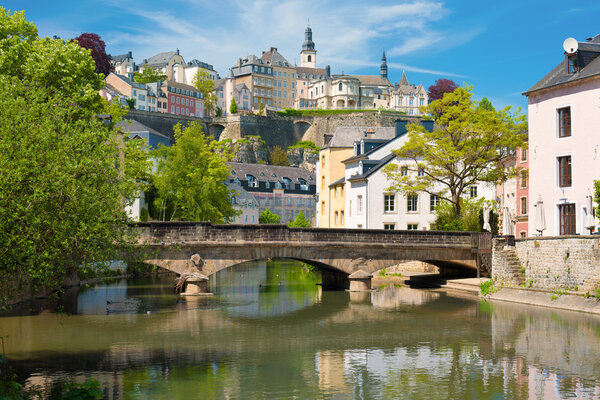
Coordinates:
[563,300]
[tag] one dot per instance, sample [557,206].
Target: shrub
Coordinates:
[487,287]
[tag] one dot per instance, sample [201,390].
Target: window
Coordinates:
[309,58]
[322,161]
[523,205]
[572,64]
[350,208]
[421,172]
[323,207]
[564,122]
[340,86]
[434,201]
[336,218]
[567,219]
[412,202]
[252,181]
[389,227]
[523,234]
[389,203]
[341,218]
[288,183]
[359,206]
[473,191]
[323,182]
[523,155]
[523,179]
[564,171]
[412,227]
[404,171]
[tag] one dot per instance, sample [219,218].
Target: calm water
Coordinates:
[269,332]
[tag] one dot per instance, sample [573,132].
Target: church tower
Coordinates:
[308,55]
[383,70]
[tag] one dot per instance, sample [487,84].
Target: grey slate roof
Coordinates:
[120,58]
[316,72]
[404,80]
[345,136]
[243,196]
[133,126]
[241,86]
[373,169]
[130,82]
[161,59]
[293,173]
[338,182]
[201,64]
[373,80]
[588,60]
[274,58]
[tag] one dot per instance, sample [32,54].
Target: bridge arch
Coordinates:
[216,130]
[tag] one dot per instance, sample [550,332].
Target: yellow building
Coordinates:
[331,184]
[284,79]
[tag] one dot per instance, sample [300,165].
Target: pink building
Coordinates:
[564,140]
[522,194]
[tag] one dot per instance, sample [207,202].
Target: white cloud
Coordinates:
[348,36]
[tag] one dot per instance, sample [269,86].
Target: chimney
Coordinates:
[130,55]
[427,124]
[177,51]
[273,49]
[401,127]
[327,71]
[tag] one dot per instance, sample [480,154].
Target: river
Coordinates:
[270,332]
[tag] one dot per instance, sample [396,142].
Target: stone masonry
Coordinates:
[556,263]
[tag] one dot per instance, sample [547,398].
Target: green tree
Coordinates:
[300,221]
[471,218]
[148,75]
[61,197]
[268,217]
[130,103]
[464,148]
[233,109]
[219,112]
[279,156]
[206,86]
[261,107]
[191,176]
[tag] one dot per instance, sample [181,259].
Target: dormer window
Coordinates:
[572,64]
[287,182]
[252,181]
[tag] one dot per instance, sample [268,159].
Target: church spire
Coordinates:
[384,69]
[308,43]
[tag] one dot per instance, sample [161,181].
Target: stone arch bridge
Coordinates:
[200,247]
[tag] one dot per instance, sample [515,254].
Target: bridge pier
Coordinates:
[196,286]
[360,281]
[334,280]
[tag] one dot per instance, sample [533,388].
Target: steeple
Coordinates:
[403,81]
[308,43]
[308,55]
[383,70]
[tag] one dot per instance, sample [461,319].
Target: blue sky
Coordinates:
[502,48]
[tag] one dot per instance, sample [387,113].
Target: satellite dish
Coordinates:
[570,45]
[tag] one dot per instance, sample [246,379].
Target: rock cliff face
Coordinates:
[303,158]
[254,150]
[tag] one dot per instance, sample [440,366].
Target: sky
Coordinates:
[501,48]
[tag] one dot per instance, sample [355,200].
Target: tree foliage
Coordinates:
[261,107]
[191,176]
[300,221]
[96,45]
[148,75]
[465,147]
[61,197]
[233,109]
[206,86]
[441,86]
[279,156]
[268,217]
[471,218]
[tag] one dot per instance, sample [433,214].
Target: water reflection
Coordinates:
[270,333]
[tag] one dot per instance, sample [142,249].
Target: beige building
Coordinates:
[331,205]
[408,98]
[163,63]
[257,77]
[284,79]
[123,64]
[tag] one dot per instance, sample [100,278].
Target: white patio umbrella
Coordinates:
[506,222]
[486,218]
[540,218]
[590,222]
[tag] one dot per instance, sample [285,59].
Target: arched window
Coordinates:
[252,181]
[309,58]
[277,185]
[288,183]
[340,86]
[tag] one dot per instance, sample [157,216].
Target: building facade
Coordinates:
[163,63]
[123,64]
[282,190]
[284,79]
[145,98]
[258,78]
[183,99]
[564,144]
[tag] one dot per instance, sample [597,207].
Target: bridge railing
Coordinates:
[177,232]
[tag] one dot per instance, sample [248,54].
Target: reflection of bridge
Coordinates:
[186,247]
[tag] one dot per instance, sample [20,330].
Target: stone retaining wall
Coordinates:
[556,263]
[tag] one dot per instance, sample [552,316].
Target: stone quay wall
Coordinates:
[554,263]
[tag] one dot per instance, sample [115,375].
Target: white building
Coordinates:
[564,140]
[370,205]
[245,203]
